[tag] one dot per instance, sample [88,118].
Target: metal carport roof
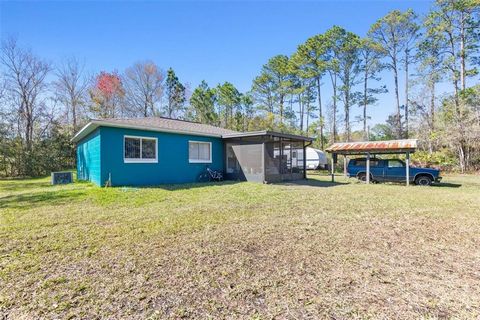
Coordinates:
[376,147]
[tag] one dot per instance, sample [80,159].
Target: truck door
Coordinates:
[377,169]
[395,170]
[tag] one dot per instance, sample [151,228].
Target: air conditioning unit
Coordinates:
[62,177]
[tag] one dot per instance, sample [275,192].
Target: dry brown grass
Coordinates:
[240,251]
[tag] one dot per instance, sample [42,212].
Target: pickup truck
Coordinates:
[391,170]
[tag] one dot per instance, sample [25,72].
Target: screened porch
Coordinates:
[265,156]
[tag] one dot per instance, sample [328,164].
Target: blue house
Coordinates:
[156,150]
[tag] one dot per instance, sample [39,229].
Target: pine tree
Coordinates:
[202,103]
[394,32]
[310,58]
[176,95]
[229,102]
[370,54]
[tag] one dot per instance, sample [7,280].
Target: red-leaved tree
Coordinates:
[107,95]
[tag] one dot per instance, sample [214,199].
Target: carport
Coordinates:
[369,149]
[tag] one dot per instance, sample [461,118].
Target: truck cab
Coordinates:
[391,170]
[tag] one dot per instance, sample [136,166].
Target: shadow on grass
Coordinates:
[179,186]
[187,186]
[22,185]
[311,183]
[27,183]
[34,200]
[447,185]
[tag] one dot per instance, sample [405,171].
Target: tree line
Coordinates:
[42,104]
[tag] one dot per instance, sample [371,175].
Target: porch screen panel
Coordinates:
[233,166]
[286,158]
[283,161]
[249,158]
[272,161]
[298,158]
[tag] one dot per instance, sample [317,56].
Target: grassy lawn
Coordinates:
[240,250]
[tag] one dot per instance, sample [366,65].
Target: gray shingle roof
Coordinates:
[172,124]
[155,124]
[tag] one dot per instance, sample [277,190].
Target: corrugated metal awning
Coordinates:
[362,147]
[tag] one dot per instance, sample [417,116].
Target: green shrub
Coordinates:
[442,159]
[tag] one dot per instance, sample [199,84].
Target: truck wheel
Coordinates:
[363,177]
[423,181]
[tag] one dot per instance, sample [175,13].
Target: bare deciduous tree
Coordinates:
[71,88]
[3,87]
[25,75]
[143,83]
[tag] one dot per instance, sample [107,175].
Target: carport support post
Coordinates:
[345,166]
[368,169]
[304,161]
[333,167]
[407,167]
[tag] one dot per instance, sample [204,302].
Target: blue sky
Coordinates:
[217,41]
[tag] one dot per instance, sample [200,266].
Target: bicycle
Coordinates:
[210,175]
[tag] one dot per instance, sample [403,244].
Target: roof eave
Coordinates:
[85,131]
[244,134]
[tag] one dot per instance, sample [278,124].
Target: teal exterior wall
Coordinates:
[89,158]
[172,167]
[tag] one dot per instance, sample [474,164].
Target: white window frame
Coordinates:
[197,160]
[140,160]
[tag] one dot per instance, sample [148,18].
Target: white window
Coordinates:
[140,149]
[199,152]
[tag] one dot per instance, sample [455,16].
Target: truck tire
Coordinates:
[423,180]
[362,176]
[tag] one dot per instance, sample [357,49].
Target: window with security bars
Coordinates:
[140,149]
[199,152]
